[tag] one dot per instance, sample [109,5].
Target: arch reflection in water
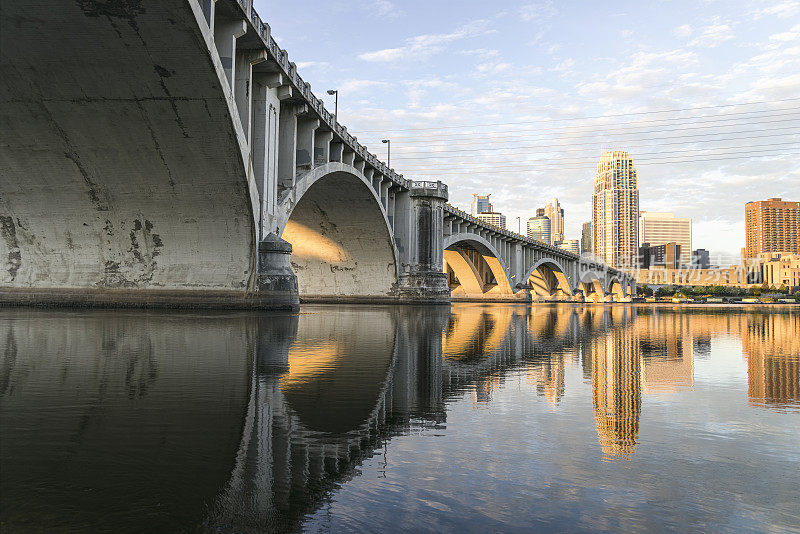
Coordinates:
[116,420]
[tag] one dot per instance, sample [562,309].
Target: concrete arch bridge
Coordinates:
[483,261]
[168,153]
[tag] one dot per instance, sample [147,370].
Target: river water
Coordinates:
[469,418]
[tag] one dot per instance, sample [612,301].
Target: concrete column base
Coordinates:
[423,287]
[277,283]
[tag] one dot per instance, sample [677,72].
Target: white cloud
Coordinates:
[565,66]
[784,9]
[786,37]
[310,64]
[494,68]
[385,55]
[384,9]
[426,44]
[713,35]
[537,11]
[682,31]
[482,53]
[355,86]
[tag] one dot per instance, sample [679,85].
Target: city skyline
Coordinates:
[695,56]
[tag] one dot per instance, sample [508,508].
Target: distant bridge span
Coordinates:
[167,153]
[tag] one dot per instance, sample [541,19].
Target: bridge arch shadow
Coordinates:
[340,233]
[547,278]
[592,287]
[616,288]
[474,268]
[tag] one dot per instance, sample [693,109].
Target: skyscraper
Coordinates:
[615,210]
[772,225]
[539,229]
[586,237]
[659,228]
[555,213]
[481,204]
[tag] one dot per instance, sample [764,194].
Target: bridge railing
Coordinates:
[263,30]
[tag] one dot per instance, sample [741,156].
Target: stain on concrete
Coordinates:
[126,10]
[163,74]
[137,265]
[161,71]
[156,144]
[8,231]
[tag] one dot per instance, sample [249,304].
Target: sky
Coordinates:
[519,99]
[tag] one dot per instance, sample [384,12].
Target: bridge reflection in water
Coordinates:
[251,421]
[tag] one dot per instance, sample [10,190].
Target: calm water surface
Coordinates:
[472,418]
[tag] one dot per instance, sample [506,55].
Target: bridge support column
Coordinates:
[422,277]
[277,283]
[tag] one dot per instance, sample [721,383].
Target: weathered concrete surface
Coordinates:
[120,165]
[341,241]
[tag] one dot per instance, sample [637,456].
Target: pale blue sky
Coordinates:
[443,80]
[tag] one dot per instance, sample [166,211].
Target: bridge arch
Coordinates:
[616,288]
[592,286]
[468,273]
[341,236]
[548,277]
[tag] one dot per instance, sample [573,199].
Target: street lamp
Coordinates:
[335,94]
[519,226]
[388,152]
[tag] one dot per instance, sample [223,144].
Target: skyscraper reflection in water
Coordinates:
[234,421]
[772,349]
[617,390]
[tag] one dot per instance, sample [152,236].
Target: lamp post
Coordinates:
[519,226]
[335,94]
[388,152]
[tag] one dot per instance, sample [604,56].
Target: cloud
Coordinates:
[427,44]
[713,35]
[310,64]
[682,31]
[494,68]
[537,11]
[782,10]
[786,37]
[385,55]
[355,86]
[384,9]
[482,53]
[565,66]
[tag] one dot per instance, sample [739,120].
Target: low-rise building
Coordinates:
[701,259]
[735,276]
[667,255]
[779,269]
[493,217]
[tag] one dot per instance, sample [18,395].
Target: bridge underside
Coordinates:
[122,170]
[341,242]
[475,273]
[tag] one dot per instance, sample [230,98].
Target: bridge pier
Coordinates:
[277,283]
[421,277]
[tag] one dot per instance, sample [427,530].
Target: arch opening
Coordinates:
[592,290]
[548,280]
[341,244]
[616,289]
[474,270]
